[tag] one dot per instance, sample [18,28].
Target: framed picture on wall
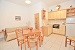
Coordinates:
[17,18]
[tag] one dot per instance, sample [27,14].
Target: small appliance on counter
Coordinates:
[56,26]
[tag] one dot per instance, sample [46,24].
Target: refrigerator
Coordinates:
[70,26]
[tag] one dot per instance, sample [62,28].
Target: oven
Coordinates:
[56,26]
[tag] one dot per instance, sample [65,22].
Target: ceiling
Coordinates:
[48,2]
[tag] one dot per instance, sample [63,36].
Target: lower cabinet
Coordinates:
[55,30]
[47,30]
[60,31]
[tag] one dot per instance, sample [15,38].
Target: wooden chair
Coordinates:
[20,37]
[25,34]
[71,39]
[41,36]
[32,39]
[38,36]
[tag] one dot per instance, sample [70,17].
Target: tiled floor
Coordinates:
[52,42]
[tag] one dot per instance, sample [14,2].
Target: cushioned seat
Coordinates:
[10,33]
[20,38]
[71,38]
[33,39]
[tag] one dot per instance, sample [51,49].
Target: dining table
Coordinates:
[26,32]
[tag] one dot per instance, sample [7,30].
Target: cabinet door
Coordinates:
[62,30]
[63,14]
[54,15]
[55,30]
[45,31]
[49,30]
[36,20]
[58,15]
[51,15]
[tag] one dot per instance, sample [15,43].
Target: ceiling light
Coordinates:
[28,1]
[58,7]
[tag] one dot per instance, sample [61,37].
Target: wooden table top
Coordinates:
[28,31]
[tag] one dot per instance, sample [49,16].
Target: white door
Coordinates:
[70,19]
[70,29]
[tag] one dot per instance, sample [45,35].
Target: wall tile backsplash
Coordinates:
[61,22]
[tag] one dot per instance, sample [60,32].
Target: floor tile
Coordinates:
[52,42]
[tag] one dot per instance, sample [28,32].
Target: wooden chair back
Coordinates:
[71,39]
[19,32]
[20,38]
[32,39]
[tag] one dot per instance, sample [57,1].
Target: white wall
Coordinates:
[39,6]
[8,11]
[33,10]
[37,9]
[64,5]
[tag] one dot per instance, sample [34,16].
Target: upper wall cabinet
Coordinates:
[71,12]
[51,15]
[63,14]
[57,14]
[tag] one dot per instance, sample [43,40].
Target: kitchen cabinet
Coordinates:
[57,14]
[63,14]
[54,15]
[36,20]
[50,15]
[62,30]
[55,30]
[47,30]
[71,12]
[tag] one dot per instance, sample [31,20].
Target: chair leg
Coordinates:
[40,43]
[29,45]
[18,43]
[25,45]
[36,45]
[30,48]
[74,45]
[70,42]
[66,42]
[41,40]
[21,46]
[27,42]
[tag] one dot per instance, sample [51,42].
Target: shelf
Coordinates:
[70,8]
[70,12]
[70,15]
